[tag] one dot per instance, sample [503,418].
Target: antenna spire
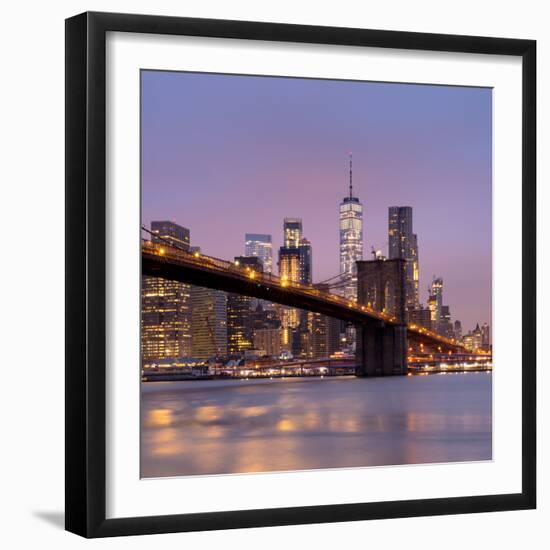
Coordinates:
[350,175]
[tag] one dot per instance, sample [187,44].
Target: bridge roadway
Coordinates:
[159,260]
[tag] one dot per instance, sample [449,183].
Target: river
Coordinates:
[237,426]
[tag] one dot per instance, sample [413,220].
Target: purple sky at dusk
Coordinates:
[228,155]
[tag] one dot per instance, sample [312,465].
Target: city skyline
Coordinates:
[218,207]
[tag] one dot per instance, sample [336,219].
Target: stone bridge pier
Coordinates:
[381,348]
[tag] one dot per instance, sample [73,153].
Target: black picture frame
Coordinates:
[86,284]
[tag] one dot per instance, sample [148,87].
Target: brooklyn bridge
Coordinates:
[383,337]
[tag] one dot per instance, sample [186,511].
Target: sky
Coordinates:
[226,155]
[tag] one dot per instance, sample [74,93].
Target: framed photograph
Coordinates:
[300,274]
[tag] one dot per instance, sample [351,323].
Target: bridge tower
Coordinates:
[382,347]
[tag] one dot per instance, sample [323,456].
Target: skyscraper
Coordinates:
[165,319]
[403,243]
[295,257]
[165,305]
[485,337]
[295,266]
[351,238]
[260,246]
[445,325]
[435,302]
[239,314]
[458,330]
[209,322]
[292,228]
[324,332]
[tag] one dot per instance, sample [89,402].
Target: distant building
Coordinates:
[295,266]
[292,228]
[421,317]
[166,231]
[264,318]
[166,305]
[239,319]
[445,325]
[269,340]
[485,337]
[260,246]
[458,330]
[209,322]
[351,238]
[323,331]
[473,340]
[435,302]
[402,243]
[165,319]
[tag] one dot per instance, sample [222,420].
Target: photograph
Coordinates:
[316,286]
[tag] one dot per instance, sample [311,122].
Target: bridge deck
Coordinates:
[198,269]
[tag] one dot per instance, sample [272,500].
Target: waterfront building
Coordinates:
[260,246]
[403,243]
[165,319]
[473,340]
[209,322]
[268,340]
[166,305]
[351,238]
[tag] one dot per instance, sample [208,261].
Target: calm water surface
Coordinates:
[232,426]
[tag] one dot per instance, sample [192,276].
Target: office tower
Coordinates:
[290,271]
[292,228]
[324,332]
[445,325]
[209,322]
[421,316]
[165,319]
[165,305]
[485,337]
[351,238]
[295,266]
[435,302]
[458,330]
[306,261]
[239,319]
[403,243]
[174,234]
[260,246]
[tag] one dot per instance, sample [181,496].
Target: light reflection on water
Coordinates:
[215,427]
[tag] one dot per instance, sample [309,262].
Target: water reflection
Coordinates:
[215,427]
